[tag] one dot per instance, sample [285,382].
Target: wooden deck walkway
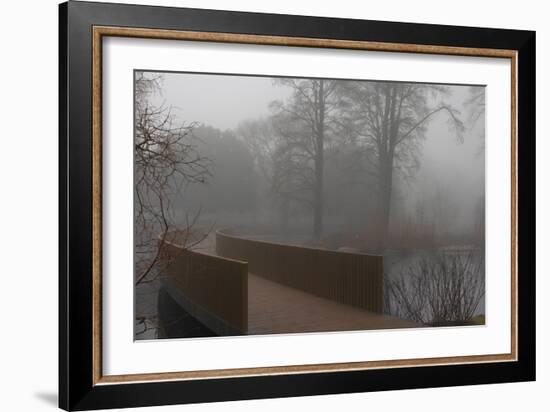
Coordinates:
[275,308]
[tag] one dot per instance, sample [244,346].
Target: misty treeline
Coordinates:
[337,153]
[368,132]
[332,160]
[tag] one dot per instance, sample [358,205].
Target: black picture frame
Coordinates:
[77,390]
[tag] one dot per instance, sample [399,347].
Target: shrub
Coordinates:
[442,289]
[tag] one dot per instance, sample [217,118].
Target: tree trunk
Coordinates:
[319,165]
[318,201]
[386,151]
[385,182]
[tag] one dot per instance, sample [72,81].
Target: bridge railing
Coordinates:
[350,278]
[211,288]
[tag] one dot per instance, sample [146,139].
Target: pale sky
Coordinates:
[220,101]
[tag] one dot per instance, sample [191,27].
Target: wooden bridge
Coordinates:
[246,286]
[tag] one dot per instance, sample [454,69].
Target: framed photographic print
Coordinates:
[256,205]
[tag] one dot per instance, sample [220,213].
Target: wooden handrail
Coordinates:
[213,289]
[350,278]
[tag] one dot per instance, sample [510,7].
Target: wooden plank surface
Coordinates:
[275,308]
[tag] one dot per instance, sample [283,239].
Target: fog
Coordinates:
[448,169]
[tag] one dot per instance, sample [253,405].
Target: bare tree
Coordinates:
[476,104]
[259,137]
[438,290]
[391,119]
[166,160]
[310,114]
[278,145]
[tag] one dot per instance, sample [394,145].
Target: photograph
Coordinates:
[260,205]
[277,205]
